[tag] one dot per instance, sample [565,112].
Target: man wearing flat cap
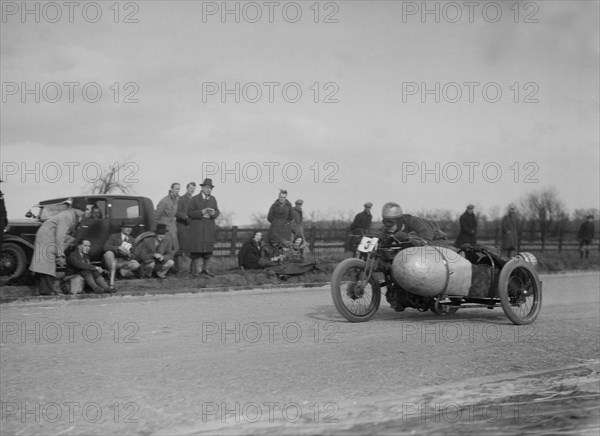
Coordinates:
[585,235]
[360,226]
[203,211]
[52,240]
[468,228]
[155,253]
[297,224]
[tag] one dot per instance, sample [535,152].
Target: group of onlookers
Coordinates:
[185,226]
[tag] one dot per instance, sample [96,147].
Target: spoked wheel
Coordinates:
[13,260]
[443,309]
[520,291]
[355,299]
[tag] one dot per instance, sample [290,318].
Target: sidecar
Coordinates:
[437,278]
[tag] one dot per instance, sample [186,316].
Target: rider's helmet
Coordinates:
[391,210]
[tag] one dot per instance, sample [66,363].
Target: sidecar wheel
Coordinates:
[520,291]
[355,300]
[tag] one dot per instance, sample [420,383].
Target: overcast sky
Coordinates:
[339,112]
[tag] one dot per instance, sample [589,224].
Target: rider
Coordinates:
[405,228]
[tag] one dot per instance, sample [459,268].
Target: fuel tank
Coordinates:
[430,271]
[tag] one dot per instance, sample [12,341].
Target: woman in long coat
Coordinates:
[281,216]
[51,241]
[203,211]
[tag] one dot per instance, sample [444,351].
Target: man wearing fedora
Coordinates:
[155,253]
[203,211]
[118,253]
[468,228]
[52,240]
[298,225]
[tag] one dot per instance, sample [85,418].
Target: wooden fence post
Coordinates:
[311,238]
[233,241]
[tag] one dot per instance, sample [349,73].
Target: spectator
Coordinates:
[83,272]
[250,254]
[281,216]
[118,253]
[3,216]
[272,254]
[297,250]
[510,227]
[359,227]
[287,259]
[468,228]
[585,235]
[203,211]
[155,254]
[51,242]
[165,213]
[183,222]
[96,213]
[298,224]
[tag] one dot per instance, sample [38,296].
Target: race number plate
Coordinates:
[367,244]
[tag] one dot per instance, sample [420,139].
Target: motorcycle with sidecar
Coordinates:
[429,276]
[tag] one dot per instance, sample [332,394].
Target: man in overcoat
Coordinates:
[586,236]
[359,226]
[281,217]
[510,231]
[298,224]
[165,213]
[51,242]
[468,228]
[183,220]
[203,211]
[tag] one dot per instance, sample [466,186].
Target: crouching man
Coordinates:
[117,253]
[82,271]
[155,254]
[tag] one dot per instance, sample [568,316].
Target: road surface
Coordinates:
[284,361]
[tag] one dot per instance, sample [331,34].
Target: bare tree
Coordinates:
[114,179]
[544,207]
[225,219]
[259,220]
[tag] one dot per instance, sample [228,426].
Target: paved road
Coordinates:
[284,361]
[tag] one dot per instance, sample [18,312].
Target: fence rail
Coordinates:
[324,241]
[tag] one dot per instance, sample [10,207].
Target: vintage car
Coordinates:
[110,211]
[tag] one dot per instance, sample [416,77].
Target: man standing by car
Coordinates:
[118,253]
[510,231]
[203,211]
[165,213]
[51,241]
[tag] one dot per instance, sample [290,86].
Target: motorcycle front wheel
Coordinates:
[355,298]
[520,291]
